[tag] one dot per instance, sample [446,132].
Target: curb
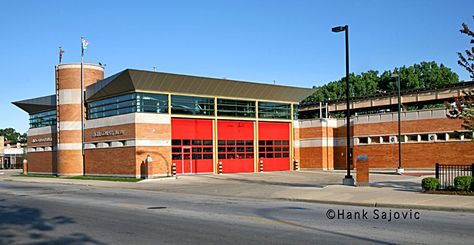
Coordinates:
[383,205]
[46,182]
[347,203]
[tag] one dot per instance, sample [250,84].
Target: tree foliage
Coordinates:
[418,76]
[463,107]
[466,60]
[12,135]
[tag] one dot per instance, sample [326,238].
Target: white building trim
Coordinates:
[148,142]
[131,118]
[69,96]
[42,130]
[314,123]
[69,125]
[78,66]
[69,146]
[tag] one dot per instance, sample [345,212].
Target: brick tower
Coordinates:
[68,100]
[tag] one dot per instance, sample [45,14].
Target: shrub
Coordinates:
[462,183]
[429,183]
[472,185]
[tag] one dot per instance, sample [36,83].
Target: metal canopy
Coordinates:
[131,80]
[36,105]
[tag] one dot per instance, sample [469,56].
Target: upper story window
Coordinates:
[295,112]
[43,119]
[189,105]
[157,103]
[274,110]
[235,108]
[129,103]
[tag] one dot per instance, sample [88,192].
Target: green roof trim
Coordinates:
[36,105]
[131,80]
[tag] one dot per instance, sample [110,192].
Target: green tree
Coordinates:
[467,60]
[418,76]
[12,135]
[463,107]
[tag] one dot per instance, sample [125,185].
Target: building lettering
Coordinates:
[107,133]
[49,139]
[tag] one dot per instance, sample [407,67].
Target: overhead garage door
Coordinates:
[192,145]
[236,146]
[274,145]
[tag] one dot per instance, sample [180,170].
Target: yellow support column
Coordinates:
[255,140]
[292,148]
[215,140]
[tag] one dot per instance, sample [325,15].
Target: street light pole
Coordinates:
[400,169]
[348,179]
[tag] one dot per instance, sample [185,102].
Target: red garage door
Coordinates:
[235,146]
[274,145]
[192,145]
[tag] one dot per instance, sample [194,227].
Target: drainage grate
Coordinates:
[156,207]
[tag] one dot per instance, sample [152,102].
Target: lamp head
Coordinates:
[339,28]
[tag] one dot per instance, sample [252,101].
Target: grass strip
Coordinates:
[101,178]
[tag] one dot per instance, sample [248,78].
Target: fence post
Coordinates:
[437,170]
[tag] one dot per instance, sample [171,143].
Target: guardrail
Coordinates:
[446,173]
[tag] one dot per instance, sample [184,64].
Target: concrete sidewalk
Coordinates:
[386,190]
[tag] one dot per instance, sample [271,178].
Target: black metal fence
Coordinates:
[446,173]
[11,166]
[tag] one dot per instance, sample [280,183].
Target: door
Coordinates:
[274,145]
[186,161]
[192,145]
[236,146]
[7,163]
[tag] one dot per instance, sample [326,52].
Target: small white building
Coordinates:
[11,155]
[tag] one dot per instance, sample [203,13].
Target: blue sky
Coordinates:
[289,42]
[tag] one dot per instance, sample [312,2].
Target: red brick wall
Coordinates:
[113,161]
[161,156]
[418,155]
[42,162]
[414,155]
[317,157]
[411,126]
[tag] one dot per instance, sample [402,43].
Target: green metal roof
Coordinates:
[36,105]
[131,80]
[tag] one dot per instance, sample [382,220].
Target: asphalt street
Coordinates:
[33,213]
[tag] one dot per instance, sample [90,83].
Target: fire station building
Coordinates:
[140,123]
[202,125]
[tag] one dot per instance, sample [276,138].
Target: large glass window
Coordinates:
[43,119]
[235,108]
[274,110]
[273,148]
[192,105]
[235,149]
[136,102]
[201,149]
[157,103]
